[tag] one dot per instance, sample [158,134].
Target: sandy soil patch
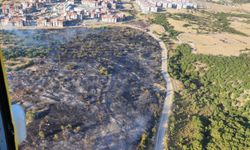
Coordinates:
[157,28]
[216,44]
[242,27]
[128,6]
[170,10]
[177,84]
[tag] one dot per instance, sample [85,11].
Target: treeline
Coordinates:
[28,52]
[210,22]
[241,1]
[161,19]
[212,109]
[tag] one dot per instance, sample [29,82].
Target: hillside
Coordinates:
[211,109]
[85,88]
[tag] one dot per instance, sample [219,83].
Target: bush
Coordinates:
[103,71]
[143,141]
[162,20]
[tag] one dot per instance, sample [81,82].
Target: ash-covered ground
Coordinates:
[85,88]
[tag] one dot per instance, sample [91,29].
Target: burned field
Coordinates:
[85,88]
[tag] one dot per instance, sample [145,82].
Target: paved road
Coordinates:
[159,143]
[161,132]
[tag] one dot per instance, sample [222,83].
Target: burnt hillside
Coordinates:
[85,88]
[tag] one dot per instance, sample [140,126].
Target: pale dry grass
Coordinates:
[170,10]
[217,44]
[128,6]
[179,26]
[243,99]
[157,29]
[241,26]
[238,8]
[177,85]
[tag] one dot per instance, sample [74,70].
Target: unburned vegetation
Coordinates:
[211,111]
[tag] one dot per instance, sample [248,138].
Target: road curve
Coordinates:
[163,125]
[159,141]
[160,137]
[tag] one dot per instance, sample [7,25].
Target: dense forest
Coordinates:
[211,111]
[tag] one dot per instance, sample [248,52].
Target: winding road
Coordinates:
[163,125]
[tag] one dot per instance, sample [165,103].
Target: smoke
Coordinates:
[38,36]
[24,41]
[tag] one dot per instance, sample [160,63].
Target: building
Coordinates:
[41,22]
[57,22]
[58,13]
[109,18]
[90,3]
[147,6]
[17,21]
[5,21]
[71,16]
